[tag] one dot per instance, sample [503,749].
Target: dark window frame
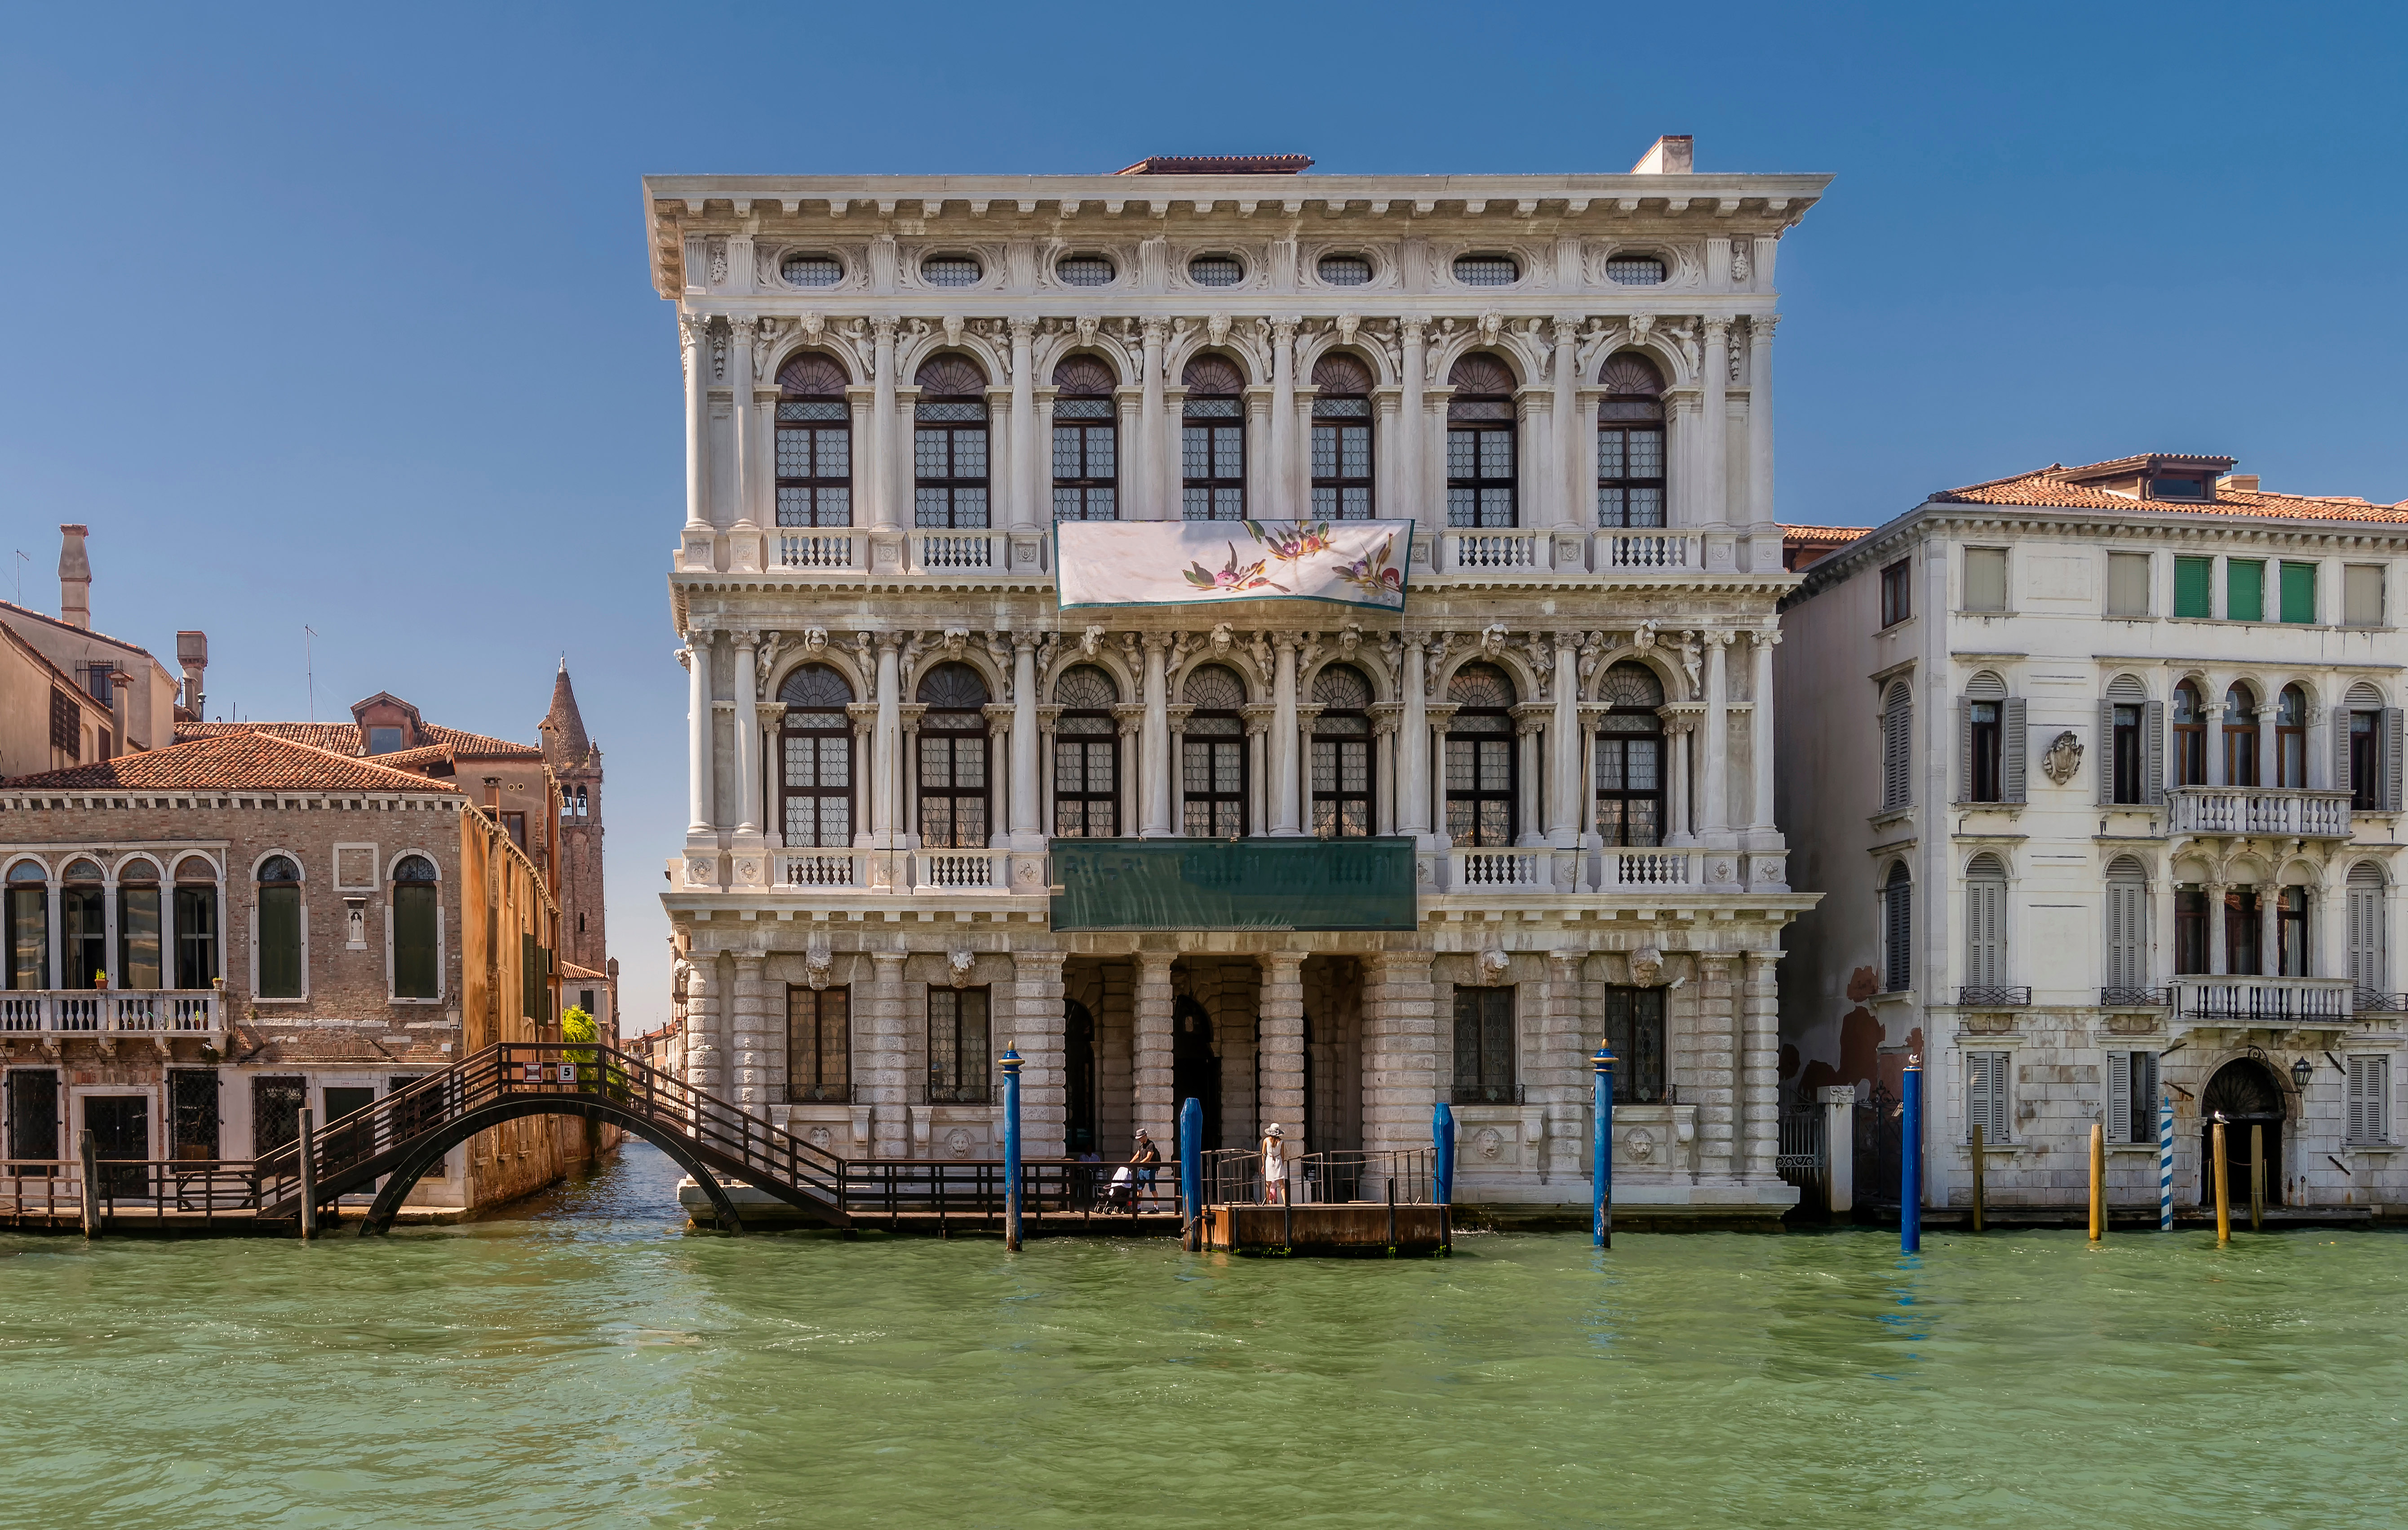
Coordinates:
[2190,737]
[1475,729]
[958,1072]
[817,1015]
[1082,736]
[1897,593]
[1342,736]
[1212,435]
[1485,1063]
[954,742]
[943,427]
[1635,1029]
[1220,741]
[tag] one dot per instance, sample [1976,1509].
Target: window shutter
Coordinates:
[1999,1095]
[2148,1063]
[1897,728]
[2119,1097]
[1977,1094]
[2125,902]
[2340,726]
[2391,759]
[2103,753]
[2358,1080]
[1964,750]
[1899,936]
[2365,938]
[2378,1099]
[1985,929]
[2011,754]
[2152,763]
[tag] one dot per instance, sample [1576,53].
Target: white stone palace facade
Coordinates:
[897,385]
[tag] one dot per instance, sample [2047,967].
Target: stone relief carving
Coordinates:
[1647,967]
[2064,757]
[1492,962]
[957,1143]
[957,967]
[1091,642]
[818,963]
[766,660]
[1743,265]
[1487,1143]
[1640,1144]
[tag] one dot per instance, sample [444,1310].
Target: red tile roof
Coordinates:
[70,626]
[2051,488]
[243,761]
[1219,165]
[344,738]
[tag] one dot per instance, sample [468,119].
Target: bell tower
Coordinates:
[577,764]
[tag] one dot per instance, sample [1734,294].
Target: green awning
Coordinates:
[1243,884]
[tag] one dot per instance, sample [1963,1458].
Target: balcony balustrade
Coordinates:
[109,1013]
[1499,871]
[2135,998]
[958,552]
[821,550]
[1658,550]
[1618,869]
[1494,552]
[2285,813]
[2245,1001]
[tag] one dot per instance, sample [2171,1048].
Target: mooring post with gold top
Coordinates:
[2223,1195]
[2098,1182]
[1977,1176]
[1600,1189]
[1910,1158]
[1010,1060]
[2257,1176]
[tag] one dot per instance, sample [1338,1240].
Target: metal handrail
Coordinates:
[2135,998]
[1993,998]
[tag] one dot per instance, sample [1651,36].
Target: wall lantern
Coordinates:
[2302,1071]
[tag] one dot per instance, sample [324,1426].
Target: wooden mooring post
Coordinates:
[2223,1196]
[90,1154]
[2097,1183]
[309,1174]
[1977,1176]
[2257,1176]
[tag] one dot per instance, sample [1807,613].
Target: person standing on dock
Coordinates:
[1274,1165]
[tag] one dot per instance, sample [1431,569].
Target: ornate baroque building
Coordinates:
[895,385]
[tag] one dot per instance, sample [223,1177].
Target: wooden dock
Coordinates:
[1362,1229]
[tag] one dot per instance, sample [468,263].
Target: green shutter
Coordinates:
[279,943]
[2299,592]
[2245,590]
[415,974]
[2191,578]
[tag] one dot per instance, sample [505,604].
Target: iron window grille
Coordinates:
[1635,271]
[2374,1002]
[2135,998]
[1994,998]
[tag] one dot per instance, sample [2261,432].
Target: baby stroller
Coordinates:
[1121,1190]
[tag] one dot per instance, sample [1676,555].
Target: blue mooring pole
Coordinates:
[1910,1160]
[1191,1172]
[1600,1189]
[1011,1148]
[1442,1139]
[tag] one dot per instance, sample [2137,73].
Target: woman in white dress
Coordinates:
[1275,1165]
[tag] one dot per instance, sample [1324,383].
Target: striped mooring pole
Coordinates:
[1910,1159]
[2165,1161]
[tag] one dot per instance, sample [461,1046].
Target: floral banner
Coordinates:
[1161,563]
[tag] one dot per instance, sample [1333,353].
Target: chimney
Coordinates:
[494,797]
[74,578]
[193,653]
[1672,154]
[2245,482]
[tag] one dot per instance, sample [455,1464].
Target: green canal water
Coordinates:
[584,1362]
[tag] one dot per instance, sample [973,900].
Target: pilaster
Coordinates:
[1280,1010]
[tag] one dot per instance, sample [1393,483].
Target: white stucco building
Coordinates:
[897,385]
[2098,770]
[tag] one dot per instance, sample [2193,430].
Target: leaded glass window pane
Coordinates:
[812,270]
[950,271]
[1344,270]
[1215,271]
[1486,270]
[1634,270]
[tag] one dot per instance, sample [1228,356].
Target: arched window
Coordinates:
[1212,769]
[2127,977]
[2291,932]
[29,926]
[1341,439]
[953,758]
[281,963]
[1480,765]
[197,923]
[1985,931]
[83,926]
[2190,738]
[1213,441]
[814,443]
[815,775]
[2134,729]
[1630,758]
[2239,737]
[417,935]
[1480,443]
[1085,445]
[137,925]
[2243,932]
[2291,738]
[1630,444]
[1897,930]
[949,446]
[1086,755]
[2367,751]
[1898,746]
[1341,753]
[2191,930]
[1989,742]
[2368,966]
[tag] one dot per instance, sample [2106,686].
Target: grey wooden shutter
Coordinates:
[1898,727]
[2341,749]
[1985,932]
[2119,1097]
[2359,1081]
[1899,936]
[2102,752]
[2153,762]
[2391,759]
[2146,1062]
[2365,935]
[1977,1094]
[2126,904]
[1964,750]
[2011,751]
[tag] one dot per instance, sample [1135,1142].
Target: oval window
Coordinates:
[951,271]
[812,270]
[1084,271]
[1634,270]
[1345,270]
[1486,270]
[1215,271]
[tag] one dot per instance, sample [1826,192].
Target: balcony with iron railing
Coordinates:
[2134,998]
[2288,813]
[1993,996]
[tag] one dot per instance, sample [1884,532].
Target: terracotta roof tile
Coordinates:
[2048,489]
[250,761]
[344,738]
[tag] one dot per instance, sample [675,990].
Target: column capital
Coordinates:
[1130,715]
[1155,965]
[1153,330]
[1257,717]
[1767,637]
[1411,330]
[744,636]
[1021,330]
[882,328]
[1718,637]
[1287,966]
[1760,327]
[1718,329]
[694,329]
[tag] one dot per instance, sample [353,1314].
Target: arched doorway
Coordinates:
[2244,1093]
[1194,1071]
[1079,1077]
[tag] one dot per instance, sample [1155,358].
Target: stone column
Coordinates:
[1176,768]
[1563,793]
[885,752]
[750,1074]
[1410,487]
[1717,424]
[1759,432]
[1129,717]
[1157,1111]
[694,350]
[1255,717]
[1713,813]
[2216,964]
[881,1069]
[1438,717]
[1530,726]
[1759,1071]
[706,1056]
[1282,499]
[1677,726]
[1286,801]
[1560,1069]
[1717,1071]
[2269,923]
[1413,761]
[1025,444]
[751,451]
[695,656]
[1027,828]
[1306,712]
[1764,640]
[1155,756]
[1152,436]
[1400,1050]
[881,430]
[1569,455]
[748,734]
[1036,1029]
[1385,786]
[1281,1009]
[2214,703]
[907,762]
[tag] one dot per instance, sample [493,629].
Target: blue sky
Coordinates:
[330,318]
